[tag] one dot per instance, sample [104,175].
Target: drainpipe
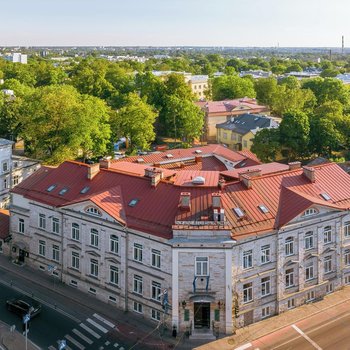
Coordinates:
[126,272]
[62,245]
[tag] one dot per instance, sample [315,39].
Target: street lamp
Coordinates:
[26,319]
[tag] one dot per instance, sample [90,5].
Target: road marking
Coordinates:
[75,342]
[102,329]
[89,330]
[306,337]
[116,345]
[107,342]
[244,347]
[51,348]
[82,336]
[110,324]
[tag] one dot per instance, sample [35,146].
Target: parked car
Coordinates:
[23,305]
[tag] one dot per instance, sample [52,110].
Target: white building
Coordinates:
[14,169]
[184,246]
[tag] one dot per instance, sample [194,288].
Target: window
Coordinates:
[327,235]
[42,248]
[114,275]
[155,258]
[310,296]
[233,137]
[347,280]
[225,135]
[138,252]
[265,286]
[289,278]
[94,267]
[137,284]
[138,307]
[114,244]
[155,291]
[94,237]
[329,288]
[73,283]
[75,260]
[309,272]
[245,144]
[265,254]
[347,257]
[42,221]
[289,246]
[247,259]
[112,299]
[93,211]
[291,303]
[21,225]
[202,268]
[92,290]
[55,252]
[5,184]
[155,315]
[347,229]
[5,167]
[51,188]
[309,212]
[75,231]
[55,225]
[309,240]
[247,292]
[327,264]
[15,180]
[265,312]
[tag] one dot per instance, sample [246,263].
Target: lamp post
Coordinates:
[26,319]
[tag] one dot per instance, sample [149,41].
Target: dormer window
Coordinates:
[309,212]
[93,211]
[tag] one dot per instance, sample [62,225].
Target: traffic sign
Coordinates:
[26,318]
[62,344]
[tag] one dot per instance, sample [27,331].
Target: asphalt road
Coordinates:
[60,319]
[328,330]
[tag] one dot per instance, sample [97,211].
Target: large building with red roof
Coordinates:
[199,249]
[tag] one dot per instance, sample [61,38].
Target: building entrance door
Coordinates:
[202,315]
[21,255]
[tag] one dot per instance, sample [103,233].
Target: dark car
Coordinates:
[23,305]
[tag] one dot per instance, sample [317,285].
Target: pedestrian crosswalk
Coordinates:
[87,333]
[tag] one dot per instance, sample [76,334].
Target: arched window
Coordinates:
[93,211]
[310,211]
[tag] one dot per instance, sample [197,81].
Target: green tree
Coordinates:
[59,123]
[232,86]
[295,133]
[135,121]
[266,144]
[266,89]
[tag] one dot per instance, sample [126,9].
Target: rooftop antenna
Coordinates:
[342,45]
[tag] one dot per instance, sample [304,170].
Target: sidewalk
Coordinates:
[272,324]
[132,328]
[13,340]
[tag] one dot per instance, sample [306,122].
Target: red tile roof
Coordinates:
[4,223]
[136,169]
[285,194]
[208,163]
[185,178]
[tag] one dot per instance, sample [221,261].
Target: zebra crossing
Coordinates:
[86,333]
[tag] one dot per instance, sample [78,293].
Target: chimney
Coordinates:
[155,174]
[294,165]
[246,179]
[198,159]
[105,163]
[216,200]
[185,201]
[93,170]
[250,173]
[222,184]
[309,173]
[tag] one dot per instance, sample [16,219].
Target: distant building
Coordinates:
[217,112]
[14,169]
[256,74]
[17,57]
[344,78]
[238,133]
[198,85]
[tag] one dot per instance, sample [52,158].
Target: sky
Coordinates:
[269,23]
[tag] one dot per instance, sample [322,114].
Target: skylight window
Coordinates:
[325,196]
[63,191]
[263,208]
[169,155]
[85,189]
[238,212]
[198,151]
[133,202]
[51,188]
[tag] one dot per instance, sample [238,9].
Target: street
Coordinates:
[329,329]
[81,329]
